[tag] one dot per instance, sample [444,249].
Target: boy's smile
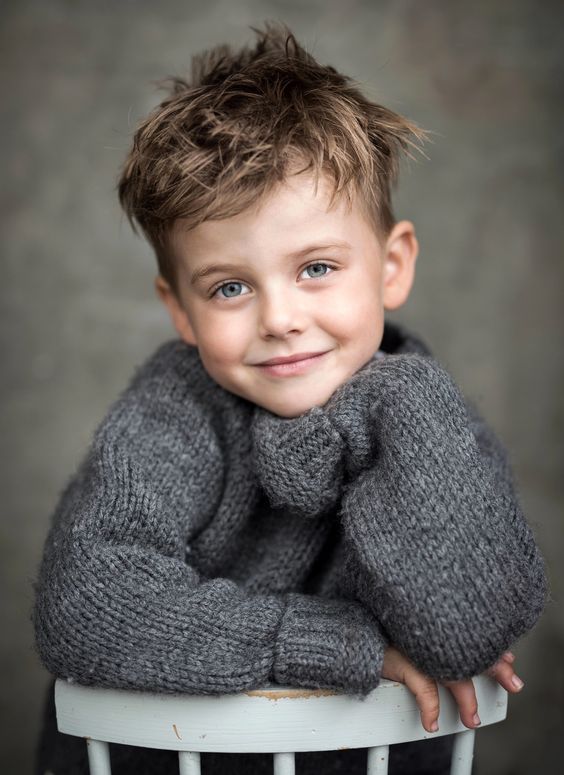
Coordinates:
[286,300]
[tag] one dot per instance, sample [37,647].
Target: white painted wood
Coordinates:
[284,764]
[463,753]
[378,760]
[98,757]
[273,719]
[189,763]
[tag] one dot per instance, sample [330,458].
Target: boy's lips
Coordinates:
[291,365]
[290,358]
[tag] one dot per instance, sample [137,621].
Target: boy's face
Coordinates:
[288,278]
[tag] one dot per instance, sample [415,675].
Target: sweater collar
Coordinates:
[301,462]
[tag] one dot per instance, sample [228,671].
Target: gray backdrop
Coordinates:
[79,311]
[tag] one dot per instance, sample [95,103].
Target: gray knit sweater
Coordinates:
[205,545]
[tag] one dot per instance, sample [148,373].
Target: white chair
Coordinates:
[275,719]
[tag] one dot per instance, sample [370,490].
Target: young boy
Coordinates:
[294,490]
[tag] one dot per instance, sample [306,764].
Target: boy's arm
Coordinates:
[118,605]
[439,548]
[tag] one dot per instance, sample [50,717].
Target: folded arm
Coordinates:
[439,549]
[118,604]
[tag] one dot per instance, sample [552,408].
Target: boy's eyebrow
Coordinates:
[208,269]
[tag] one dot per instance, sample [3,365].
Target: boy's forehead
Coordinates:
[293,216]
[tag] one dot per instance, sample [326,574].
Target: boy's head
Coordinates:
[264,187]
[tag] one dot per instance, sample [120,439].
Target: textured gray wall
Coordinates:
[79,312]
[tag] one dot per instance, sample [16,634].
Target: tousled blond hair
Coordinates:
[225,138]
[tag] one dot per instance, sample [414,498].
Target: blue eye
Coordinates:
[317,270]
[230,290]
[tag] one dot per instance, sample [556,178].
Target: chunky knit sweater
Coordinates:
[205,545]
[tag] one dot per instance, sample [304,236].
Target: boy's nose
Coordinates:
[281,316]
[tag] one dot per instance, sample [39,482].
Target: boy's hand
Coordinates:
[398,667]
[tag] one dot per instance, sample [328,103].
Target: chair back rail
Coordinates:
[274,719]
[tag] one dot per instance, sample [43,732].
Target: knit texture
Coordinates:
[437,545]
[205,545]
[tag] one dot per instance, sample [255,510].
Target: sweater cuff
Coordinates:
[328,643]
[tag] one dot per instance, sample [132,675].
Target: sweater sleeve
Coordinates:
[439,548]
[118,604]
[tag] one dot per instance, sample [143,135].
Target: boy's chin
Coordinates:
[296,406]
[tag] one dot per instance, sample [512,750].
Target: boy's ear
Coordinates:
[177,313]
[400,255]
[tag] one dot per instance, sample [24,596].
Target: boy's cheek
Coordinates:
[220,343]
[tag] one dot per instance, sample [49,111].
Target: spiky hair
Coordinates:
[242,123]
